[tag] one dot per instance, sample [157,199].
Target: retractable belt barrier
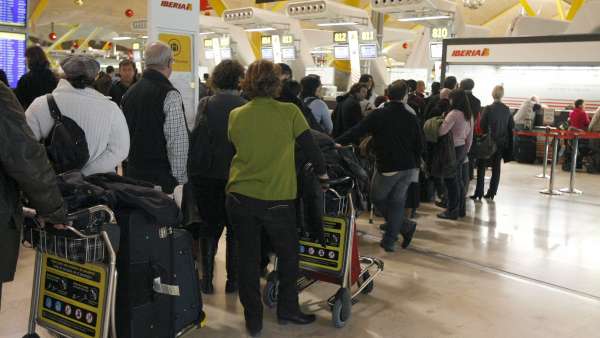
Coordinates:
[556,135]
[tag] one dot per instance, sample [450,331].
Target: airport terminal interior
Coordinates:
[406,168]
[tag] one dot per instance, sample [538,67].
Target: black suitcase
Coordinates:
[158,288]
[525,149]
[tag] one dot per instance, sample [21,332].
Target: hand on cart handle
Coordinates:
[42,223]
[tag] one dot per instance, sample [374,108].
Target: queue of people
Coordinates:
[238,160]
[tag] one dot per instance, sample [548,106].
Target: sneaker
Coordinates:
[388,247]
[408,236]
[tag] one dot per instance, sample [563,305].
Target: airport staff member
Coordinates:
[24,167]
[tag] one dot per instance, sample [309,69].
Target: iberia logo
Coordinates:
[176,5]
[471,52]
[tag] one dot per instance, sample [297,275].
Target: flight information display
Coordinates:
[12,56]
[13,12]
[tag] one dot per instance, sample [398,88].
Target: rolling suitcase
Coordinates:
[525,149]
[158,288]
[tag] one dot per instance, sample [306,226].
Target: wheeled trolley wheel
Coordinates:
[271,290]
[342,308]
[369,288]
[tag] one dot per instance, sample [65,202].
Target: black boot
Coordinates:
[208,249]
[231,263]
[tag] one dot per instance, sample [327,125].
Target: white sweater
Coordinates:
[101,119]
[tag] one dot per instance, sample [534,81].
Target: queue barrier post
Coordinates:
[571,189]
[551,190]
[546,151]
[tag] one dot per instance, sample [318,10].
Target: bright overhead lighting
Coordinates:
[144,36]
[331,24]
[206,33]
[121,38]
[424,18]
[261,29]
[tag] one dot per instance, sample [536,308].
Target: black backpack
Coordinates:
[66,144]
[337,118]
[201,153]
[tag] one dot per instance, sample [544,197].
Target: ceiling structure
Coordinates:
[104,20]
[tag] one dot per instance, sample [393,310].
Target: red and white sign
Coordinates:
[579,52]
[186,6]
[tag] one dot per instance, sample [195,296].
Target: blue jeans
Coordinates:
[389,196]
[457,185]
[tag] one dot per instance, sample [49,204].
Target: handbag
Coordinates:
[201,151]
[483,147]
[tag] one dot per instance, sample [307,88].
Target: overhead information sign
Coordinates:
[265,40]
[440,33]
[367,36]
[13,12]
[182,50]
[12,56]
[340,37]
[287,39]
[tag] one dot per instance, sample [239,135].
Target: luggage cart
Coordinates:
[75,276]
[336,262]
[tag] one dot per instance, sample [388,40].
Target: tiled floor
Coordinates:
[526,265]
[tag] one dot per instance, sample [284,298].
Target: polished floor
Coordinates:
[525,265]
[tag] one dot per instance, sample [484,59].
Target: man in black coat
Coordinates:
[24,167]
[451,83]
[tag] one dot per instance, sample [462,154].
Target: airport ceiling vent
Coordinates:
[321,10]
[413,6]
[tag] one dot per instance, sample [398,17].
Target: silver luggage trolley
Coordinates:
[338,261]
[75,276]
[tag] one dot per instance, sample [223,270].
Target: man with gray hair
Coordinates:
[156,118]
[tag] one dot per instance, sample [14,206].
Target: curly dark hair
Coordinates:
[227,75]
[262,80]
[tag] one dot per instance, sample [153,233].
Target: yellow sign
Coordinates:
[265,40]
[182,51]
[367,36]
[287,39]
[340,37]
[208,43]
[225,42]
[329,258]
[72,297]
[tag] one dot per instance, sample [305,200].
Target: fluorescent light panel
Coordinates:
[122,38]
[261,29]
[332,24]
[424,18]
[206,33]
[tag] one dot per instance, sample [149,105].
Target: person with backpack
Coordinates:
[24,168]
[290,90]
[89,113]
[348,111]
[311,91]
[208,170]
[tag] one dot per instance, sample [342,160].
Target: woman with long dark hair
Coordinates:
[459,121]
[40,80]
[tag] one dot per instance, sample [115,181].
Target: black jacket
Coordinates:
[497,119]
[475,104]
[349,114]
[219,107]
[143,106]
[397,137]
[24,167]
[306,112]
[37,82]
[117,91]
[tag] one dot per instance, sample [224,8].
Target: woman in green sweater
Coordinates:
[262,188]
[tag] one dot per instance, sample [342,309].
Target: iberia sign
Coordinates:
[471,52]
[176,5]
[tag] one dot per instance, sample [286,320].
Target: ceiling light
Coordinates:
[144,36]
[331,24]
[206,33]
[424,18]
[121,38]
[260,29]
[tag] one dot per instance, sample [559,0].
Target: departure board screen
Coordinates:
[13,12]
[12,56]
